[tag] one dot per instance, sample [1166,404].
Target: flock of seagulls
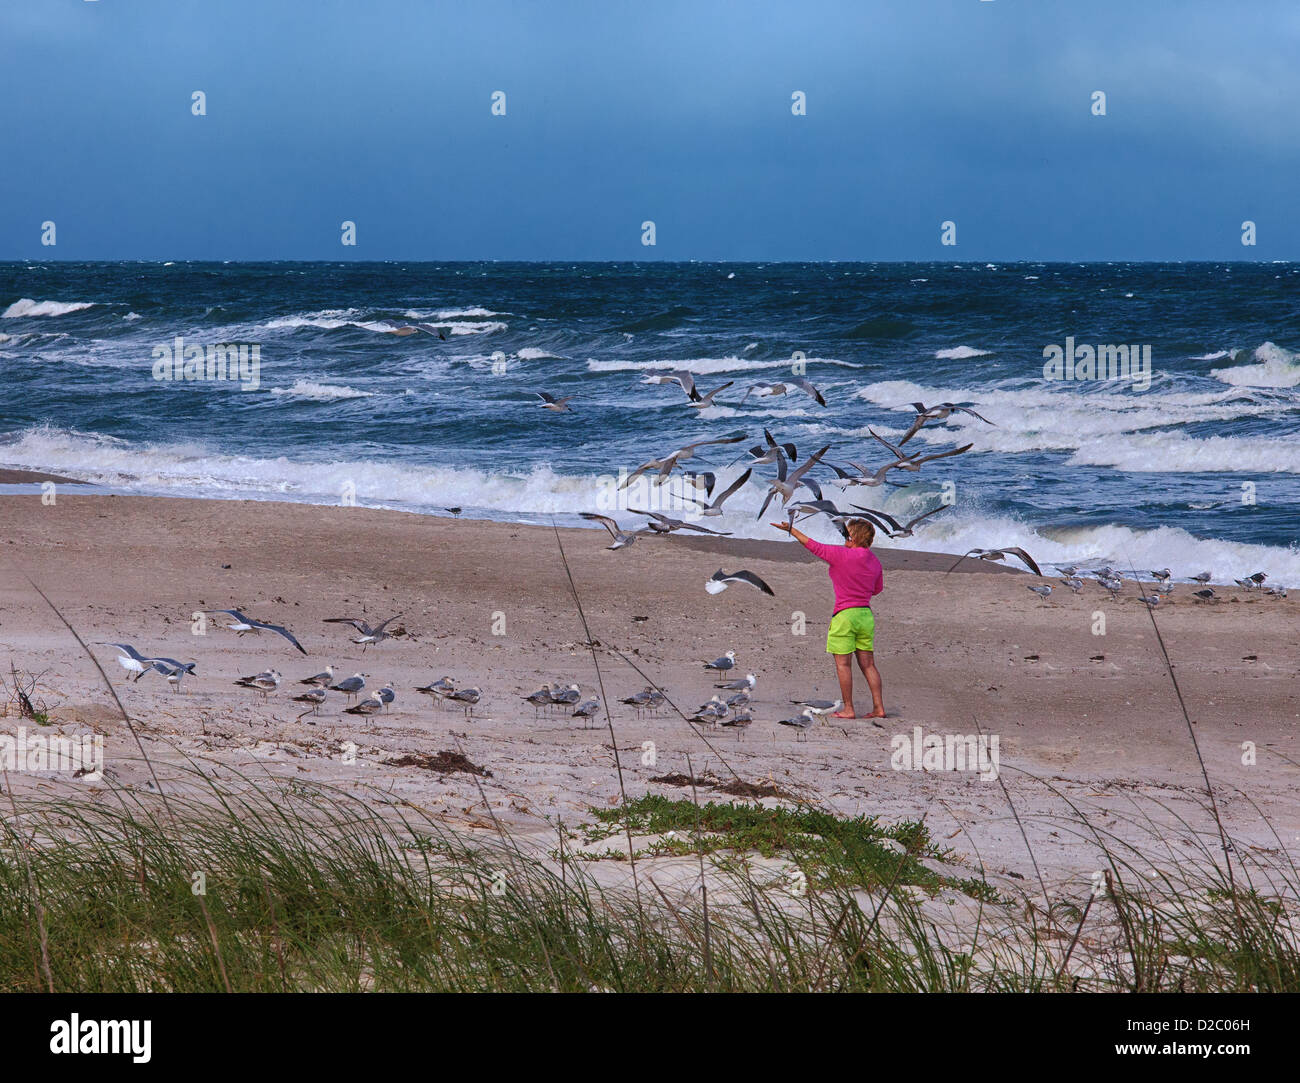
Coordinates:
[1113,581]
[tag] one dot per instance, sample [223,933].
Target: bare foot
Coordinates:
[844,714]
[877,714]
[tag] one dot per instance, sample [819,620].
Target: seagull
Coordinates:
[1277,592]
[368,634]
[703,402]
[819,708]
[711,713]
[765,391]
[1042,590]
[1258,578]
[640,700]
[324,680]
[915,462]
[785,482]
[664,524]
[351,686]
[1074,583]
[741,720]
[906,530]
[539,699]
[315,697]
[386,695]
[244,623]
[467,696]
[681,377]
[173,670]
[747,683]
[657,700]
[726,662]
[556,406]
[672,460]
[265,682]
[1245,584]
[807,388]
[567,697]
[439,689]
[801,722]
[586,709]
[621,538]
[1202,577]
[1206,594]
[1162,574]
[720,580]
[1000,554]
[761,455]
[131,659]
[1151,600]
[739,700]
[372,704]
[716,507]
[396,327]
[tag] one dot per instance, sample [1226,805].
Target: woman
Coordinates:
[857,577]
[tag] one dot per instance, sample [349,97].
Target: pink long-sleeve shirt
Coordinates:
[856,574]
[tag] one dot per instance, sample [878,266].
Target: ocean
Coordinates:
[1196,469]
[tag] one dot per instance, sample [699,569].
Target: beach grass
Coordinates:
[264,885]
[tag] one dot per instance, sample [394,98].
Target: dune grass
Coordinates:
[307,888]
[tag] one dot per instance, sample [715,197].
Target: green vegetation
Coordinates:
[264,887]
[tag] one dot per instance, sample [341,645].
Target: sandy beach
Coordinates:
[1084,719]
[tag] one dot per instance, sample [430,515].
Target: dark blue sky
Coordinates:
[918,111]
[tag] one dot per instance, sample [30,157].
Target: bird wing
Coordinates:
[278,630]
[892,448]
[604,520]
[732,488]
[880,518]
[926,515]
[967,410]
[379,628]
[808,464]
[806,386]
[356,622]
[753,580]
[917,426]
[943,454]
[545,396]
[1029,561]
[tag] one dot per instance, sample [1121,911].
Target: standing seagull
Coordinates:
[372,704]
[726,662]
[745,683]
[244,623]
[315,697]
[802,723]
[265,682]
[321,680]
[587,709]
[351,686]
[468,697]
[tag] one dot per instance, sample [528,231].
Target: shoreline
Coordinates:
[1092,719]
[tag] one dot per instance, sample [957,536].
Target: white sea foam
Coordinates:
[195,470]
[332,318]
[307,389]
[449,313]
[705,365]
[27,307]
[531,353]
[961,353]
[1105,428]
[1275,366]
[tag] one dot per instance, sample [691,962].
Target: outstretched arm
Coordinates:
[825,552]
[793,531]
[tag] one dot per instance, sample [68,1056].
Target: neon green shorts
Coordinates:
[851,630]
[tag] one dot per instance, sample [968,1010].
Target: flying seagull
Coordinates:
[786,482]
[244,623]
[368,634]
[681,377]
[664,524]
[703,402]
[720,580]
[1000,554]
[716,507]
[550,402]
[621,539]
[672,460]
